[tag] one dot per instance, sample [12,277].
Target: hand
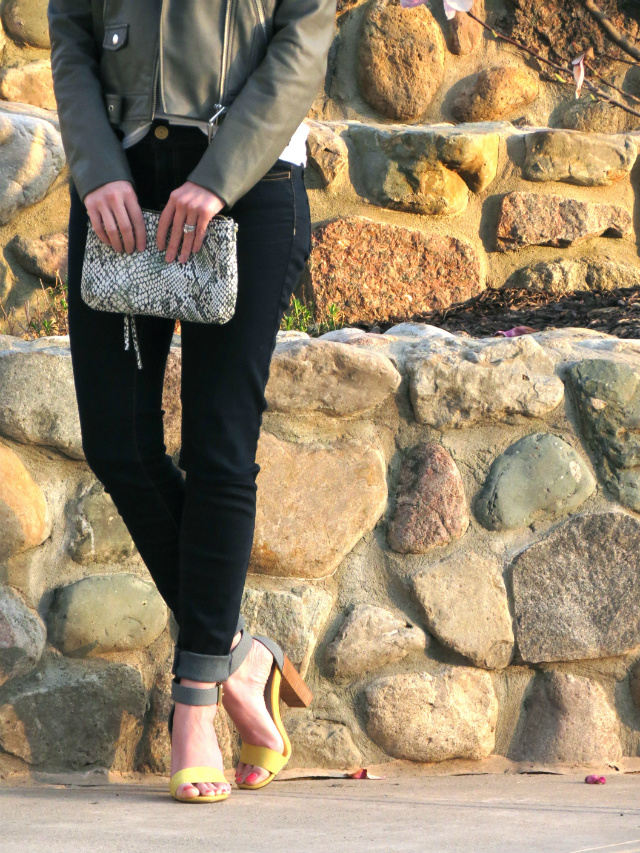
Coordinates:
[115,206]
[194,205]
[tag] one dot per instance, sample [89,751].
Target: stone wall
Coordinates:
[432,171]
[447,534]
[446,545]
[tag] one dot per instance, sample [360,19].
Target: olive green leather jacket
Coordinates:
[262,60]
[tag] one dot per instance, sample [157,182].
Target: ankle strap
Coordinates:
[196,695]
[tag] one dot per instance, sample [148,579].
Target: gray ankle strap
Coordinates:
[195,695]
[274,648]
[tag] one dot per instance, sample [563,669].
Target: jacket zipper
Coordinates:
[261,16]
[155,89]
[225,51]
[164,107]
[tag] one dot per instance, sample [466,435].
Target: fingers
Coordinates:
[109,208]
[198,234]
[109,222]
[179,218]
[191,204]
[125,227]
[137,220]
[187,242]
[166,218]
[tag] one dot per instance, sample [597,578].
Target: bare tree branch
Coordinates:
[559,68]
[614,34]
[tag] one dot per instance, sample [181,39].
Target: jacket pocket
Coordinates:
[114,107]
[115,36]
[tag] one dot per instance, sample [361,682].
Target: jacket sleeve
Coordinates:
[275,99]
[94,152]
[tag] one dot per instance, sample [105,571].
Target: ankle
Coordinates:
[201,685]
[236,640]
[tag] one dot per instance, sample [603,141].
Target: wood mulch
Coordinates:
[615,312]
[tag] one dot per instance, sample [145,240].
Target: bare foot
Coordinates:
[194,744]
[243,700]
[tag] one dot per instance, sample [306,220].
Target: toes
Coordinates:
[253,774]
[187,791]
[240,769]
[201,789]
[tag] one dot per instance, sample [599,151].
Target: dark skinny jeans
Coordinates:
[194,533]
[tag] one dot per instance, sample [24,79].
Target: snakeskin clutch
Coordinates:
[202,290]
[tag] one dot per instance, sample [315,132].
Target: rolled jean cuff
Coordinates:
[204,667]
[201,667]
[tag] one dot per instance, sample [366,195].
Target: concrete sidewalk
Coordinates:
[445,814]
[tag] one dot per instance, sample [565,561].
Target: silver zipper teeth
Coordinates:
[155,89]
[164,106]
[225,45]
[261,16]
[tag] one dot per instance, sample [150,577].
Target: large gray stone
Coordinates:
[45,257]
[607,397]
[455,382]
[577,591]
[25,521]
[539,476]
[38,404]
[31,83]
[567,719]
[431,506]
[424,717]
[531,219]
[376,271]
[304,490]
[464,601]
[332,378]
[26,22]
[565,275]
[586,159]
[31,157]
[99,533]
[293,616]
[496,93]
[22,635]
[71,715]
[106,613]
[328,152]
[424,170]
[401,59]
[321,743]
[370,638]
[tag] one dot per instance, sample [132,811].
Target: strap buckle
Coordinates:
[215,119]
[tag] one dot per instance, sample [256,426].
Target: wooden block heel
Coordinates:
[286,683]
[293,691]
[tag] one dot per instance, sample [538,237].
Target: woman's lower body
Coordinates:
[194,533]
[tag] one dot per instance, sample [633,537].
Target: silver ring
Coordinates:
[188,228]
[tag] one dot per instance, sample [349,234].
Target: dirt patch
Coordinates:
[615,312]
[560,30]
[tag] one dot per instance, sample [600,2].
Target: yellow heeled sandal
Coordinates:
[284,683]
[192,775]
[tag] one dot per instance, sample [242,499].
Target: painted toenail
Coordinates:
[251,778]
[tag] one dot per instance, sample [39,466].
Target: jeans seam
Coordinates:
[295,212]
[265,375]
[139,458]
